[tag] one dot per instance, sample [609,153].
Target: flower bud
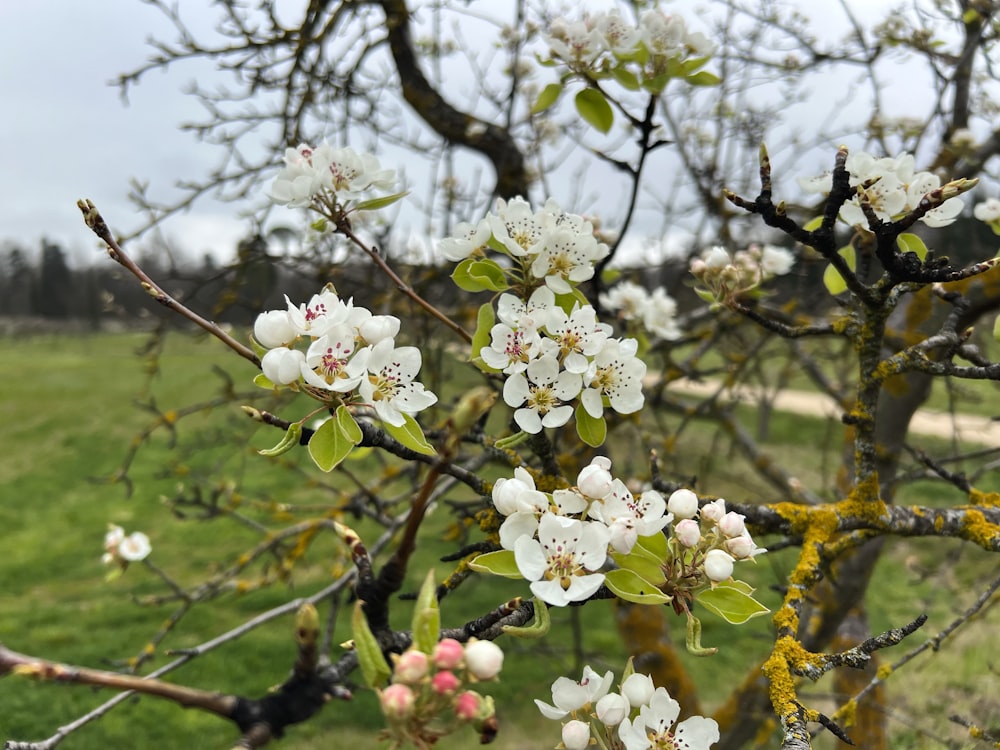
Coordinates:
[595,480]
[683,504]
[272,329]
[638,689]
[379,327]
[411,667]
[445,682]
[447,654]
[688,532]
[134,547]
[716,258]
[483,659]
[612,709]
[732,524]
[576,735]
[742,547]
[718,565]
[397,701]
[469,706]
[283,366]
[714,511]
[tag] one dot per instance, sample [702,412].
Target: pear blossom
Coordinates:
[628,518]
[374,328]
[560,564]
[448,654]
[510,350]
[397,701]
[521,503]
[483,659]
[575,337]
[389,386]
[776,261]
[660,315]
[541,394]
[331,362]
[468,238]
[311,174]
[654,727]
[615,373]
[627,298]
[569,696]
[714,510]
[988,210]
[732,524]
[687,532]
[533,314]
[567,255]
[576,43]
[322,311]
[619,35]
[124,549]
[743,547]
[612,709]
[516,226]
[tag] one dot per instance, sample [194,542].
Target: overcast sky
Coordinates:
[66,133]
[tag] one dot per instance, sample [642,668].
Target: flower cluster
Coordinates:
[552,358]
[638,717]
[549,246]
[349,353]
[602,40]
[726,277]
[656,311]
[121,550]
[428,697]
[560,540]
[890,186]
[328,179]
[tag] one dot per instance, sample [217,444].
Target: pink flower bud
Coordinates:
[714,511]
[468,705]
[411,667]
[445,682]
[732,524]
[743,547]
[447,654]
[683,504]
[688,532]
[718,565]
[576,735]
[397,701]
[483,659]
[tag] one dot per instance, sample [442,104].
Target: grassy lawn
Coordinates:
[69,414]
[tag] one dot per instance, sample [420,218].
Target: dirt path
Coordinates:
[969,427]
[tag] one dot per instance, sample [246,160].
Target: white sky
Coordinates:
[66,133]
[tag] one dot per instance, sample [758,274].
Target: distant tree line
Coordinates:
[43,285]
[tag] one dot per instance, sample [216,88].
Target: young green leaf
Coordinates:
[549,95]
[649,570]
[426,616]
[410,435]
[499,563]
[592,430]
[463,278]
[731,603]
[488,274]
[374,667]
[329,445]
[630,586]
[289,441]
[832,279]
[347,425]
[911,243]
[539,627]
[703,78]
[375,203]
[594,109]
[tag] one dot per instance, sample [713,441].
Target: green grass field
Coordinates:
[69,415]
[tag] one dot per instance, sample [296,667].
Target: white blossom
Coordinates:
[560,564]
[615,373]
[544,392]
[389,386]
[569,696]
[654,727]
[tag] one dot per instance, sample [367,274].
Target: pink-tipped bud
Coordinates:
[397,701]
[688,532]
[732,524]
[469,706]
[411,667]
[714,511]
[447,654]
[445,682]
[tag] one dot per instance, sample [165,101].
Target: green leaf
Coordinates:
[375,203]
[703,78]
[463,278]
[911,243]
[410,435]
[289,441]
[594,109]
[657,84]
[488,274]
[813,224]
[625,77]
[639,563]
[329,445]
[499,563]
[592,430]
[539,627]
[374,667]
[731,603]
[693,640]
[630,586]
[695,63]
[485,320]
[427,617]
[262,381]
[348,427]
[832,279]
[550,94]
[653,546]
[996,328]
